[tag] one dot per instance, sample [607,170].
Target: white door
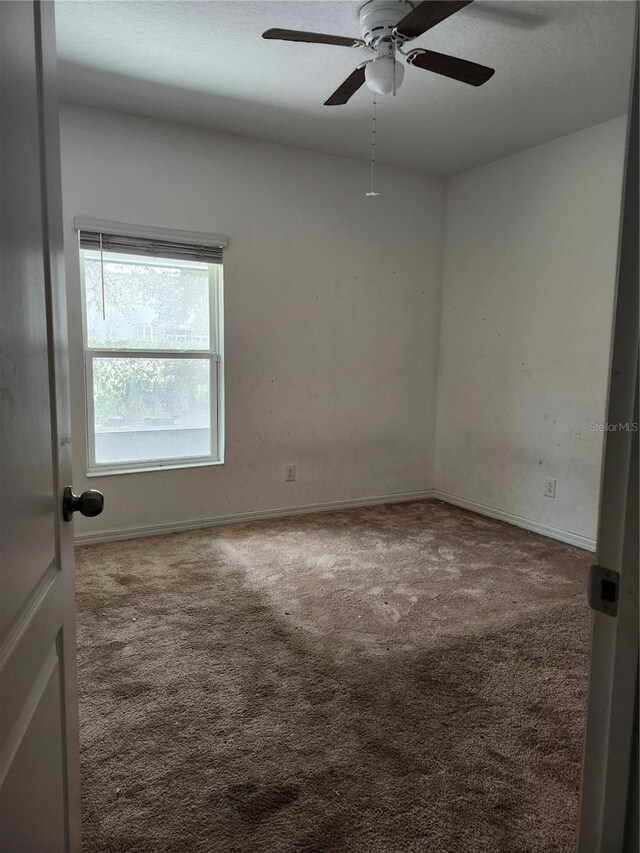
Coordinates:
[609,808]
[39,770]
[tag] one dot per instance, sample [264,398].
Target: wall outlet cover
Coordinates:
[549,488]
[290,473]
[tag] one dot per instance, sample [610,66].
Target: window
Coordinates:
[153,354]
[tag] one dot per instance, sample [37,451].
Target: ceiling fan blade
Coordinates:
[427,14]
[311,38]
[346,89]
[451,66]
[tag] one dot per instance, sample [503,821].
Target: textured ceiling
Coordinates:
[560,66]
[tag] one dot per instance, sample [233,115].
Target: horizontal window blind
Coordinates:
[161,243]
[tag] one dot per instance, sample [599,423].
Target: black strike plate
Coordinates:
[603,590]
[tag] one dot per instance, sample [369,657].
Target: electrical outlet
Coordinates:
[290,473]
[549,488]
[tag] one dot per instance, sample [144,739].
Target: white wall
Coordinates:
[332,313]
[530,262]
[333,330]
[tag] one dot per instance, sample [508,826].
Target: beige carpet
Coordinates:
[399,679]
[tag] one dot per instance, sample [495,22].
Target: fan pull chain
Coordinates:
[372,192]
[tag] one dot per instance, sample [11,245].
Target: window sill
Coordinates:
[178,466]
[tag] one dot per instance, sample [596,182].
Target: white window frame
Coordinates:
[214,354]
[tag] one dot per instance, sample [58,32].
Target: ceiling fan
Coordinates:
[387,25]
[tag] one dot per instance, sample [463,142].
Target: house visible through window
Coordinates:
[153,359]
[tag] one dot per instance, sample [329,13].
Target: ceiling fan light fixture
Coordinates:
[387,25]
[383,75]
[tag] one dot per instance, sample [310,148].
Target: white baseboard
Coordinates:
[238,517]
[329,506]
[535,526]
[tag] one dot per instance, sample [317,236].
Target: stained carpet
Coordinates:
[400,679]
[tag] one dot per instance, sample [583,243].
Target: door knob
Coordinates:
[89,503]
